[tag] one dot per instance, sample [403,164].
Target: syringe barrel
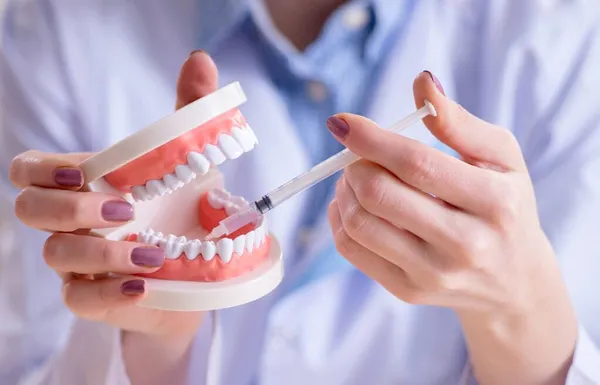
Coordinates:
[313,176]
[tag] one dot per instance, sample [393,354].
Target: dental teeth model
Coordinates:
[169,173]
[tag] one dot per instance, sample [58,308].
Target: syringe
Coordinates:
[306,180]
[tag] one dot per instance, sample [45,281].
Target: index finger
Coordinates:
[43,169]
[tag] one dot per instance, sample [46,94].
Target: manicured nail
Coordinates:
[197,51]
[133,287]
[68,177]
[148,256]
[117,211]
[338,127]
[437,83]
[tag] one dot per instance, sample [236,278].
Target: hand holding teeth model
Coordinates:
[302,182]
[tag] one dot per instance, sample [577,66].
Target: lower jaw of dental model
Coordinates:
[178,199]
[218,260]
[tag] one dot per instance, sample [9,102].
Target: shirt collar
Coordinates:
[219,19]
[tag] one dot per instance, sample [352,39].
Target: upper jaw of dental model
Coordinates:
[176,247]
[230,145]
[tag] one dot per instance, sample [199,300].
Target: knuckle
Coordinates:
[508,138]
[18,168]
[355,221]
[506,200]
[474,248]
[420,168]
[344,244]
[106,255]
[51,250]
[74,211]
[69,294]
[442,282]
[412,296]
[21,204]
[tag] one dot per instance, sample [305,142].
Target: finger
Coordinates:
[198,77]
[92,255]
[58,210]
[387,274]
[385,196]
[425,168]
[394,244]
[94,299]
[36,168]
[479,142]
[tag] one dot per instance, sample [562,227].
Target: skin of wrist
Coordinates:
[535,338]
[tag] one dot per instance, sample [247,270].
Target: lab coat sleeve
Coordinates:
[40,341]
[550,83]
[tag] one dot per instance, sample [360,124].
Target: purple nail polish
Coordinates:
[148,256]
[338,127]
[68,177]
[436,81]
[117,211]
[196,51]
[133,287]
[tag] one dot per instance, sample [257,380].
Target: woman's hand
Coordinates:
[458,233]
[53,199]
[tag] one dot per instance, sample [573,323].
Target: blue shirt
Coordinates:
[333,74]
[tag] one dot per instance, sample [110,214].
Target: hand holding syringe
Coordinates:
[306,180]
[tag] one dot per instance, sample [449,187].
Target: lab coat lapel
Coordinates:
[393,95]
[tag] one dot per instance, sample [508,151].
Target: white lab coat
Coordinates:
[534,69]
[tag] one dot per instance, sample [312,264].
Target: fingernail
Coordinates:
[197,51]
[436,81]
[338,127]
[148,256]
[68,177]
[133,287]
[117,211]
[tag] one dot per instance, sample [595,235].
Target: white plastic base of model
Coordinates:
[206,296]
[163,131]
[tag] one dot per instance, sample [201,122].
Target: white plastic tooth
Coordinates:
[239,244]
[154,239]
[257,237]
[221,193]
[230,147]
[214,154]
[238,201]
[215,201]
[172,182]
[198,163]
[192,249]
[260,236]
[156,187]
[250,241]
[184,173]
[245,140]
[208,250]
[225,249]
[142,237]
[171,246]
[250,132]
[139,193]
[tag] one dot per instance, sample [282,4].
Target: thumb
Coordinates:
[198,77]
[478,142]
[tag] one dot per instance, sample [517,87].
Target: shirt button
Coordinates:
[317,91]
[355,17]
